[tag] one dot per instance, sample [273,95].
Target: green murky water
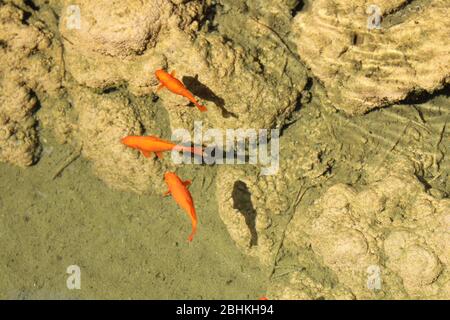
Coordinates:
[126,246]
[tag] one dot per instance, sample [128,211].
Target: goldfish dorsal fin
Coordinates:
[173,73]
[187,183]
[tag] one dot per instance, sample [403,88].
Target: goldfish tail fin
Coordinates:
[194,224]
[191,236]
[201,108]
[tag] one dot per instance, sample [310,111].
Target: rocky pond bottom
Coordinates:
[358,207]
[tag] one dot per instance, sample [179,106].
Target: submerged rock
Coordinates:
[362,69]
[102,123]
[238,89]
[27,71]
[388,238]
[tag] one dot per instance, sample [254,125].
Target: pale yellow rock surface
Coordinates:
[167,40]
[256,208]
[247,206]
[116,47]
[102,123]
[27,69]
[112,47]
[391,226]
[364,69]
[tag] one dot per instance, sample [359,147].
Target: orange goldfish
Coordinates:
[179,191]
[176,86]
[148,144]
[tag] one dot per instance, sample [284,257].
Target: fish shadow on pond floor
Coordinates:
[243,203]
[202,91]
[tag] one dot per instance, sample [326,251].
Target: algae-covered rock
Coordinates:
[111,29]
[27,71]
[18,137]
[247,205]
[238,90]
[388,238]
[103,122]
[256,208]
[105,41]
[106,46]
[364,68]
